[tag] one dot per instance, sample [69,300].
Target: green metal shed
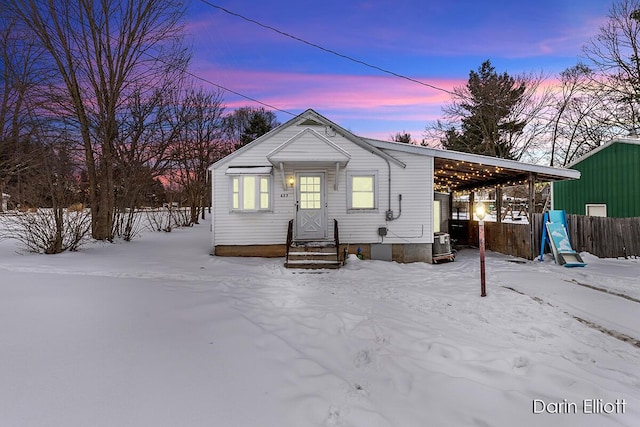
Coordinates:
[609,183]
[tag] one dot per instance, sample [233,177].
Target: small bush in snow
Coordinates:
[127,224]
[48,231]
[166,218]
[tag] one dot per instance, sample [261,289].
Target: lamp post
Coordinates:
[481,213]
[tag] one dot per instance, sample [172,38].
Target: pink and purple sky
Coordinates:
[435,42]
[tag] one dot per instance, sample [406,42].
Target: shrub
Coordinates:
[48,231]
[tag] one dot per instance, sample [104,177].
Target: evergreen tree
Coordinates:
[485,109]
[248,123]
[260,122]
[402,137]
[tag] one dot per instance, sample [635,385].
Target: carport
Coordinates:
[464,172]
[455,171]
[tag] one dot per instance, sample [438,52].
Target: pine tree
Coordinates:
[485,109]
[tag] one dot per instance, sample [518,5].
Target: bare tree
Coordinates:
[147,136]
[55,225]
[614,56]
[21,74]
[531,110]
[103,52]
[199,121]
[56,176]
[581,116]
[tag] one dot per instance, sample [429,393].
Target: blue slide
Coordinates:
[555,233]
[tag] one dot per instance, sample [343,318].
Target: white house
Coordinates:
[310,181]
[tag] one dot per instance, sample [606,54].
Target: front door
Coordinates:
[311,207]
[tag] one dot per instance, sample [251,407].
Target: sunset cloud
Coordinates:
[434,42]
[370,98]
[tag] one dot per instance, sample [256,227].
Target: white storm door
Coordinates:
[311,207]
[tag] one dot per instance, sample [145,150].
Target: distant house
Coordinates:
[5,200]
[609,184]
[310,182]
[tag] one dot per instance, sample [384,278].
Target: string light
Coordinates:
[456,174]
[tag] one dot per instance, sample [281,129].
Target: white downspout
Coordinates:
[213,214]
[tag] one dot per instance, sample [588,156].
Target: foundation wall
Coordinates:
[263,251]
[402,253]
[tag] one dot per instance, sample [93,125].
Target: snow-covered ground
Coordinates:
[158,333]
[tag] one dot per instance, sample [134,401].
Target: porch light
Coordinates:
[481,212]
[291,181]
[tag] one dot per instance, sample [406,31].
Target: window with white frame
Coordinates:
[362,190]
[250,193]
[596,209]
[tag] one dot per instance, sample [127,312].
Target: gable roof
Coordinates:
[292,150]
[453,170]
[311,118]
[634,141]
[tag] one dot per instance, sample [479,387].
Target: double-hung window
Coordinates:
[250,189]
[362,191]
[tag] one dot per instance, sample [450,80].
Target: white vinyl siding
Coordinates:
[250,193]
[415,183]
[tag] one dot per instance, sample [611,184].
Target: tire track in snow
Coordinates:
[613,333]
[606,291]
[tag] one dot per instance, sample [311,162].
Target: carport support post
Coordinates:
[481,213]
[483,285]
[498,203]
[531,208]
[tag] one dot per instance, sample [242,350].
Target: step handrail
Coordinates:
[336,238]
[289,239]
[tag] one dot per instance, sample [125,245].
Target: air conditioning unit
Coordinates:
[442,248]
[441,244]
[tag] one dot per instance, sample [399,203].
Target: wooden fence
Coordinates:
[507,238]
[602,237]
[605,237]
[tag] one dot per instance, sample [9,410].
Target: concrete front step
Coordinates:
[311,253]
[312,264]
[313,244]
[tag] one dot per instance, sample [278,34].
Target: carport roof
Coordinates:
[457,171]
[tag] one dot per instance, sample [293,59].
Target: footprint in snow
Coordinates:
[363,358]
